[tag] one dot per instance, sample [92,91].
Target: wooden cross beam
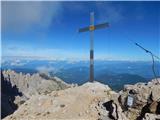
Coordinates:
[91,28]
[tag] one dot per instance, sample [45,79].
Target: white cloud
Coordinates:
[43,53]
[17,63]
[13,61]
[23,15]
[46,69]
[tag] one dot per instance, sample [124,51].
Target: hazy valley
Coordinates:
[121,72]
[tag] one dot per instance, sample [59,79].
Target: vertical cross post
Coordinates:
[91,48]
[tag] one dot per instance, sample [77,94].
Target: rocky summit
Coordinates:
[90,101]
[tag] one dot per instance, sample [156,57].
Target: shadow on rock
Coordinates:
[112,108]
[144,110]
[8,94]
[153,107]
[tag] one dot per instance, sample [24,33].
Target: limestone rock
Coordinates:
[48,99]
[144,95]
[18,88]
[81,102]
[33,84]
[149,116]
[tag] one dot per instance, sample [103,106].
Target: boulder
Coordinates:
[149,116]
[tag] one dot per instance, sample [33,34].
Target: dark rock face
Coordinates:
[8,94]
[158,108]
[112,108]
[153,108]
[144,110]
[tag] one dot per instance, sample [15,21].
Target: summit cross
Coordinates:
[91,29]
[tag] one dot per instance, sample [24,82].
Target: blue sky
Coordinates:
[49,29]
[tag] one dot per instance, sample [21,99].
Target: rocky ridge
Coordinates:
[34,84]
[90,101]
[18,88]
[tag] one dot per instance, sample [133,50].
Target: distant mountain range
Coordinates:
[113,73]
[116,82]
